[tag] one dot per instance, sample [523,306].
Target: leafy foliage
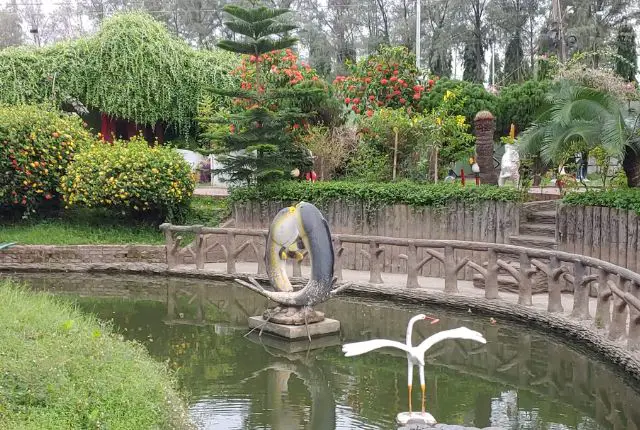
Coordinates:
[331,147]
[576,119]
[132,68]
[473,98]
[36,146]
[65,369]
[404,192]
[256,148]
[443,134]
[131,177]
[520,104]
[627,199]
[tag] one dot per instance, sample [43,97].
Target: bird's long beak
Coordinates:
[433,320]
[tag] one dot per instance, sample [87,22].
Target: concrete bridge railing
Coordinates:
[618,289]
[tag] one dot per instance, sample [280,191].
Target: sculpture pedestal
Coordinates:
[293,332]
[293,347]
[415,420]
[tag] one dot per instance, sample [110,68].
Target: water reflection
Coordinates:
[519,380]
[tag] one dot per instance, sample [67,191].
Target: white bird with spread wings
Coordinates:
[415,354]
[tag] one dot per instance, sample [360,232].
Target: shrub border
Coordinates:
[625,199]
[374,194]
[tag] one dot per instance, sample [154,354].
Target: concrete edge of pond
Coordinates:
[609,350]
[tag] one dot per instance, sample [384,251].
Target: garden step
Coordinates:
[542,217]
[546,230]
[547,205]
[533,241]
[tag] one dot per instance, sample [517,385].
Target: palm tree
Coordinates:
[576,119]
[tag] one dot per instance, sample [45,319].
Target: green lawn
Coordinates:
[96,227]
[62,369]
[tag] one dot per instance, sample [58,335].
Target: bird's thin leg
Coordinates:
[410,381]
[423,387]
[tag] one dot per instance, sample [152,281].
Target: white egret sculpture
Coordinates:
[415,354]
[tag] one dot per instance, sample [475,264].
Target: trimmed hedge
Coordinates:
[405,192]
[131,177]
[627,199]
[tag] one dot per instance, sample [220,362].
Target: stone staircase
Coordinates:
[537,230]
[537,226]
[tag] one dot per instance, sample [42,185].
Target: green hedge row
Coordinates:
[628,199]
[405,192]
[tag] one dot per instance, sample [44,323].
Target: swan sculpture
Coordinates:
[415,354]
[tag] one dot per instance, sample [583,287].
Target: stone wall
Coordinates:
[488,221]
[28,254]
[605,233]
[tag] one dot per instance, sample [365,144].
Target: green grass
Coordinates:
[62,369]
[92,226]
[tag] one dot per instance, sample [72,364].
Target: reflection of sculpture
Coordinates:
[297,228]
[313,373]
[510,165]
[415,355]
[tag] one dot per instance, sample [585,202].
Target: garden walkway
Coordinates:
[398,280]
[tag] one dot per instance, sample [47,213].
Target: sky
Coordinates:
[50,5]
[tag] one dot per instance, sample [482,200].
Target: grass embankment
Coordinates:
[62,369]
[95,227]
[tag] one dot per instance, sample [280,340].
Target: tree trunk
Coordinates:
[395,155]
[631,166]
[485,125]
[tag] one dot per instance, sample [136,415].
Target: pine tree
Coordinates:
[514,61]
[259,147]
[627,64]
[472,65]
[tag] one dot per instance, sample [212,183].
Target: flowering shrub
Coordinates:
[279,70]
[36,145]
[131,177]
[388,79]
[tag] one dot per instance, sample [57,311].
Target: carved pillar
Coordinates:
[231,253]
[491,278]
[603,305]
[580,293]
[199,247]
[485,126]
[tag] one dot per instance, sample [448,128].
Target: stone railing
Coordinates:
[618,289]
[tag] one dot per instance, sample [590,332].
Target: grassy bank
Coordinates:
[62,369]
[96,227]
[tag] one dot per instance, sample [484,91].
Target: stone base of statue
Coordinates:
[290,315]
[289,346]
[415,420]
[323,327]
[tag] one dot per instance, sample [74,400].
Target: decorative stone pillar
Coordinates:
[485,126]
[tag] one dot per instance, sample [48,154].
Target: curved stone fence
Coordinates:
[618,289]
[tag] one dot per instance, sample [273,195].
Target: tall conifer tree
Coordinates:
[259,147]
[627,63]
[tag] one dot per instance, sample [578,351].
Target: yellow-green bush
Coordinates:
[37,143]
[152,182]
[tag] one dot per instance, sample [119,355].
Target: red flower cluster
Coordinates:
[278,69]
[377,83]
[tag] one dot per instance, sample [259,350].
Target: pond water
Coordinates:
[521,379]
